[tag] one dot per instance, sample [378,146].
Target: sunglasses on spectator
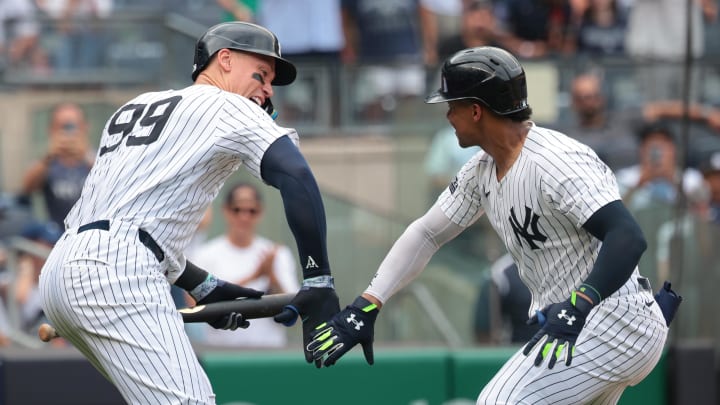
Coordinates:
[250,211]
[67,126]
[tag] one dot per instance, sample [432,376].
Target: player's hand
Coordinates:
[562,324]
[314,305]
[355,324]
[225,291]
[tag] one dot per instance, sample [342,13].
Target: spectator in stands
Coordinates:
[239,10]
[386,40]
[44,234]
[61,173]
[656,40]
[4,326]
[478,27]
[711,173]
[703,127]
[442,20]
[248,259]
[656,179]
[601,28]
[19,37]
[501,310]
[79,32]
[538,28]
[610,133]
[311,34]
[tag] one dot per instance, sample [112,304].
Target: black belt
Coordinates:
[143,236]
[644,284]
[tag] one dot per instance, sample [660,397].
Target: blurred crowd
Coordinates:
[394,49]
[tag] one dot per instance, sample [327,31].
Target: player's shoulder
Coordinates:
[480,161]
[151,96]
[551,148]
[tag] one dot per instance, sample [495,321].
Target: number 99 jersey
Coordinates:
[164,156]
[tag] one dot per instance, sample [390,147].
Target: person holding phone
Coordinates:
[60,174]
[655,179]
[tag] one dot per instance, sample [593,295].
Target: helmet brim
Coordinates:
[439,97]
[285,72]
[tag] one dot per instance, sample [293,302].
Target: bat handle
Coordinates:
[47,333]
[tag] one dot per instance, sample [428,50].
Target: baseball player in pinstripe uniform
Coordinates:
[163,158]
[557,207]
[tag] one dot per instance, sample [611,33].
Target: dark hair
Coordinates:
[239,185]
[655,128]
[520,116]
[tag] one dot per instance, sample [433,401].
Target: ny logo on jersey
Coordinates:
[351,319]
[531,221]
[563,315]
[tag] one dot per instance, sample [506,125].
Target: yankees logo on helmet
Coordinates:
[358,324]
[569,319]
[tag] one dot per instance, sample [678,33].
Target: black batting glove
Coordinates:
[313,305]
[216,290]
[561,323]
[355,324]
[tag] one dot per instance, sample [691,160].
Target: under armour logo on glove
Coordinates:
[565,321]
[358,324]
[569,319]
[349,327]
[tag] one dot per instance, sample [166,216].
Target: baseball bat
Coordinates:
[251,308]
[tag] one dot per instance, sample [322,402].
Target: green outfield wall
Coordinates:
[398,377]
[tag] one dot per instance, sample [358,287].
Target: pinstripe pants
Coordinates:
[619,346]
[104,292]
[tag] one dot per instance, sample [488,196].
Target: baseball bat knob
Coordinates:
[47,333]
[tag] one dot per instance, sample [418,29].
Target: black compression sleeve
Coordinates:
[191,277]
[284,167]
[623,245]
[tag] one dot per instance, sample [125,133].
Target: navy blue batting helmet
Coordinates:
[242,36]
[488,74]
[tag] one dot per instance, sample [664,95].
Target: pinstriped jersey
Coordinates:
[164,156]
[538,209]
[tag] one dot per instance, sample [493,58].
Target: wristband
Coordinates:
[582,305]
[591,293]
[319,282]
[203,289]
[364,305]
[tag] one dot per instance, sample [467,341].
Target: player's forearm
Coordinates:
[285,168]
[191,277]
[623,245]
[411,253]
